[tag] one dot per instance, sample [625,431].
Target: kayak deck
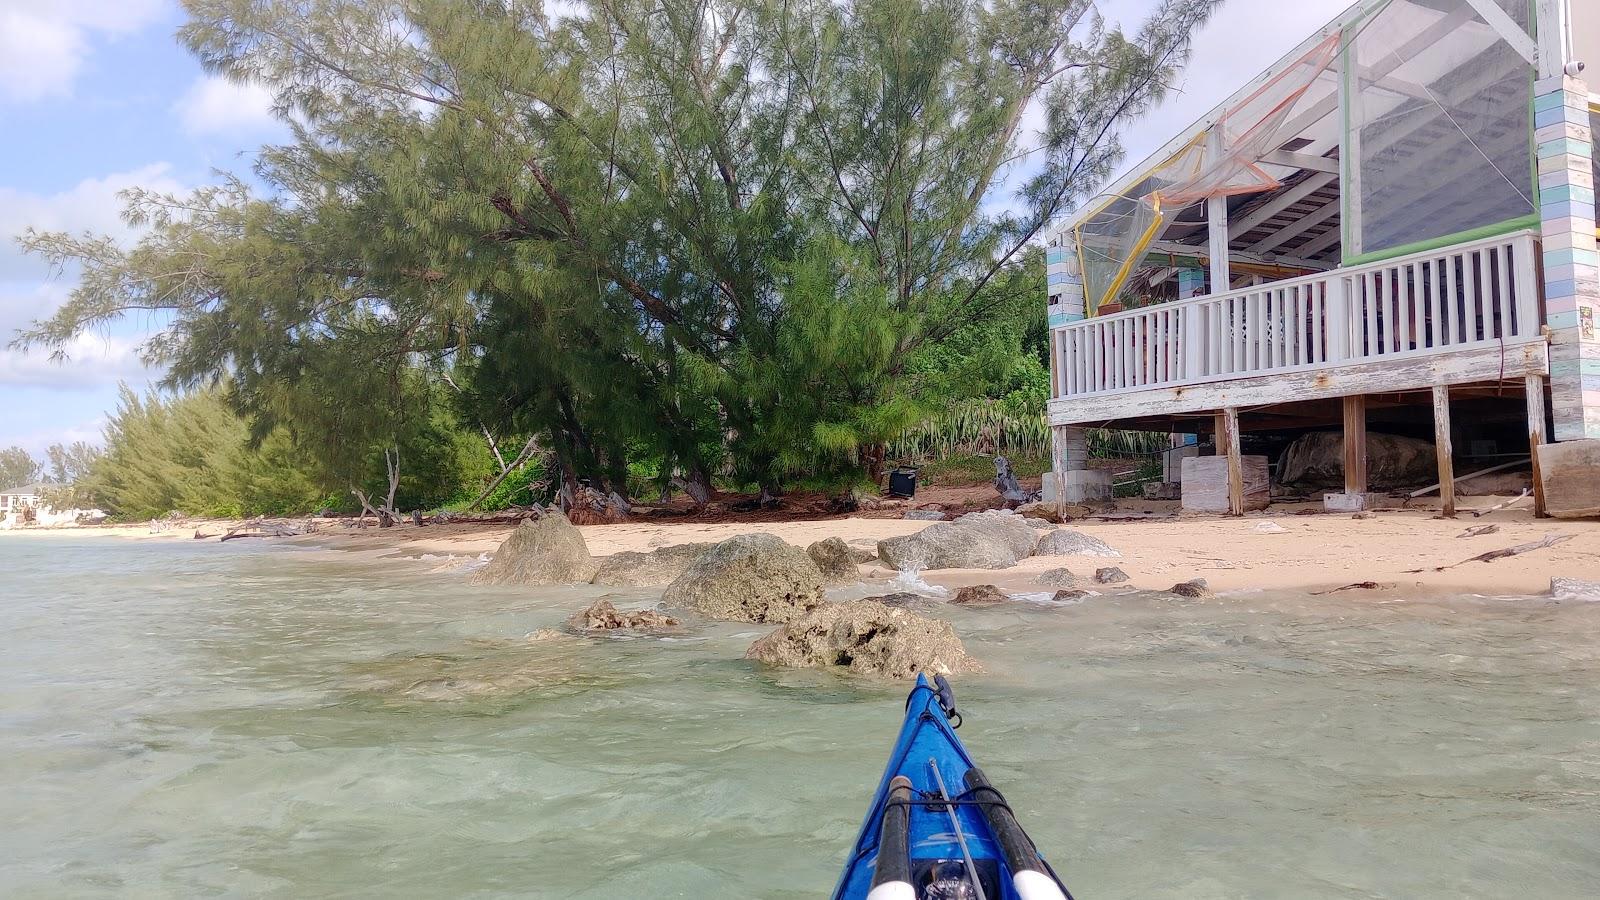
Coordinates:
[941,836]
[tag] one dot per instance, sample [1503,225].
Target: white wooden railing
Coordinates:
[1439,301]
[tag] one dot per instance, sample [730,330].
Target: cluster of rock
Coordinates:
[603,615]
[865,637]
[992,539]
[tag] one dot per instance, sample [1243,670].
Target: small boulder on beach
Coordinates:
[1066,542]
[995,539]
[541,551]
[749,578]
[1058,578]
[1110,575]
[1196,587]
[865,638]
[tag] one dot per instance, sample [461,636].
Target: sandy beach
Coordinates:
[1313,552]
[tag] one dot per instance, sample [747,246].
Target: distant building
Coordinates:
[27,505]
[19,505]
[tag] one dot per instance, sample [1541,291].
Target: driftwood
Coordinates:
[260,528]
[1478,531]
[1549,540]
[1499,506]
[1460,478]
[1358,586]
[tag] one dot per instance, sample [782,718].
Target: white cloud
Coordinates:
[216,105]
[44,43]
[90,205]
[90,361]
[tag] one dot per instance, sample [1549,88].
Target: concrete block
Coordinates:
[1083,485]
[1205,483]
[1570,474]
[1342,502]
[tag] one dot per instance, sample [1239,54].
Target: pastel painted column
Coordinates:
[1065,285]
[1191,283]
[1571,265]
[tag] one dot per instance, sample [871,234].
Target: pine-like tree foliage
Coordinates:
[712,234]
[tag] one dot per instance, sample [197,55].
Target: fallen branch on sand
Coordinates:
[258,528]
[1478,531]
[1499,506]
[1549,540]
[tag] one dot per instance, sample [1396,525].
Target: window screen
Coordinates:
[1440,116]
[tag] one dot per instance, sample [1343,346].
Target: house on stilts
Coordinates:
[1391,228]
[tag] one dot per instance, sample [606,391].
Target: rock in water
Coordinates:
[1066,542]
[749,578]
[546,550]
[1110,575]
[980,595]
[866,638]
[1196,587]
[603,616]
[653,569]
[836,560]
[1064,596]
[898,598]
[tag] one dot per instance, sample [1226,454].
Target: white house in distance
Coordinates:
[20,505]
[1395,220]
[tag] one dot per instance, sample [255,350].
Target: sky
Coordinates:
[97,96]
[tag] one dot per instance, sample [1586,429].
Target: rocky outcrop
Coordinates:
[749,578]
[546,550]
[980,595]
[1196,587]
[866,638]
[835,560]
[602,615]
[929,515]
[1110,575]
[652,569]
[1315,461]
[1044,512]
[1064,596]
[1066,542]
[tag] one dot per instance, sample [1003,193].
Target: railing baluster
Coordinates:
[1469,296]
[1406,286]
[1502,254]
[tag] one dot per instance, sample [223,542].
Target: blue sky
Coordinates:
[97,96]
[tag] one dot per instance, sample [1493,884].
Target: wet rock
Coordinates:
[1110,575]
[651,569]
[1063,596]
[1315,461]
[1066,542]
[864,554]
[1058,578]
[835,559]
[602,615]
[1575,589]
[1196,587]
[749,578]
[980,594]
[866,638]
[929,515]
[546,550]
[898,598]
[1004,525]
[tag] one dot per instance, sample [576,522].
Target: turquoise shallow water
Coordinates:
[203,720]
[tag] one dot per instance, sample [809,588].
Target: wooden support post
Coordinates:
[1443,450]
[1355,444]
[1536,437]
[1227,437]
